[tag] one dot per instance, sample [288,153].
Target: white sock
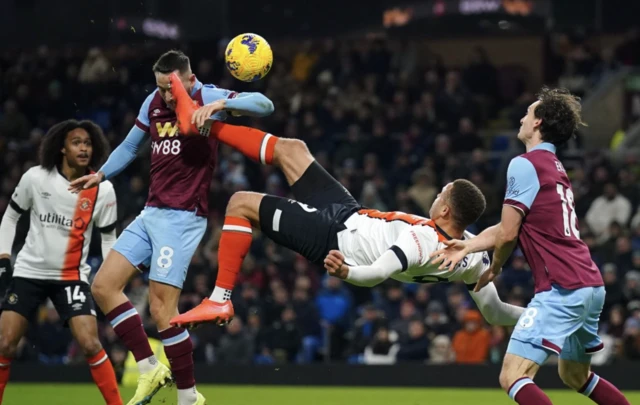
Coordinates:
[187,396]
[220,295]
[147,365]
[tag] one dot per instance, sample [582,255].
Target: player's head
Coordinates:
[460,202]
[81,144]
[555,117]
[169,62]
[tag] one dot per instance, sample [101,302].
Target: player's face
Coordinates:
[440,206]
[78,148]
[529,123]
[187,78]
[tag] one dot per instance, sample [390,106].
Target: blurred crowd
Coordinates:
[393,130]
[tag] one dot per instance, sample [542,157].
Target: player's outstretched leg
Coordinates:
[107,290]
[516,378]
[580,377]
[291,155]
[85,331]
[242,214]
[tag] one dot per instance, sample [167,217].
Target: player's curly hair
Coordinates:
[467,202]
[560,112]
[170,61]
[53,142]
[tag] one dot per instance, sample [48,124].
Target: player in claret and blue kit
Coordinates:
[167,232]
[539,215]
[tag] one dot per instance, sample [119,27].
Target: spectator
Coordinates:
[408,313]
[52,339]
[382,349]
[236,347]
[471,344]
[94,68]
[13,123]
[364,329]
[612,286]
[441,351]
[308,324]
[416,347]
[334,307]
[284,339]
[467,139]
[608,208]
[423,192]
[632,338]
[437,320]
[631,289]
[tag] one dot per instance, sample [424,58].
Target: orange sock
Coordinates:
[253,143]
[105,378]
[5,367]
[234,246]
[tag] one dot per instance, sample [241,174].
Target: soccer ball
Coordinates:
[248,57]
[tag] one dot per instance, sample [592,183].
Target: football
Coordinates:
[248,57]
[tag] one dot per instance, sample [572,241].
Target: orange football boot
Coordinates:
[206,311]
[185,106]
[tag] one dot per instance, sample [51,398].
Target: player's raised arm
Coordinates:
[494,310]
[522,187]
[455,250]
[216,100]
[122,156]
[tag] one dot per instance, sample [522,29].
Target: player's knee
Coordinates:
[505,379]
[237,203]
[573,377]
[100,290]
[90,345]
[243,204]
[159,311]
[287,150]
[8,345]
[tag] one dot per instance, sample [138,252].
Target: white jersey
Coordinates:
[370,233]
[61,225]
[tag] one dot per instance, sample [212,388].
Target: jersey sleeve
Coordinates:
[414,246]
[142,121]
[522,184]
[212,93]
[249,104]
[481,263]
[22,197]
[107,213]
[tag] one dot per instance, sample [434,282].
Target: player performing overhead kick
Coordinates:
[53,262]
[328,226]
[539,215]
[167,232]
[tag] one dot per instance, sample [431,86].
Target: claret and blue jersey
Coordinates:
[165,235]
[563,316]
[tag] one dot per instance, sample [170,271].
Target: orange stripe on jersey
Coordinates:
[413,220]
[395,216]
[81,219]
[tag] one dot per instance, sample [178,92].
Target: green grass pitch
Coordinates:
[84,394]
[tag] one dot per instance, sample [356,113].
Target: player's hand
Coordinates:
[5,267]
[334,263]
[486,278]
[450,255]
[205,112]
[6,272]
[85,182]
